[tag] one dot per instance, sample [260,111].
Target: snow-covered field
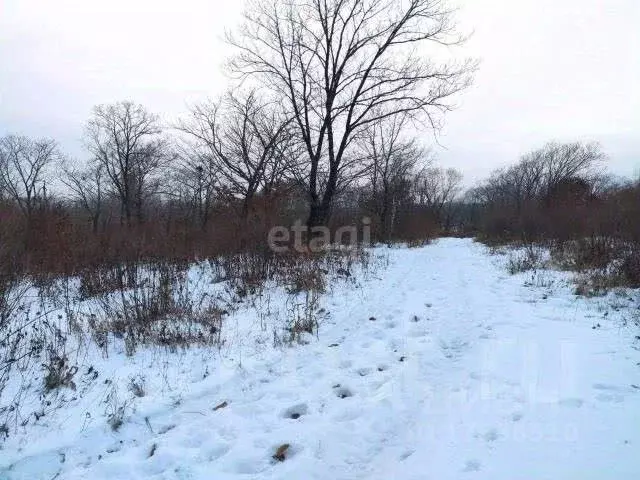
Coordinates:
[438,366]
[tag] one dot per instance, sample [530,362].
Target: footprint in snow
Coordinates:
[342,392]
[610,398]
[406,455]
[472,466]
[165,429]
[454,348]
[611,393]
[571,402]
[113,449]
[296,411]
[606,387]
[491,435]
[516,417]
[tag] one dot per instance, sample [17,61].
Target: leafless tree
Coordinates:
[341,65]
[197,181]
[541,172]
[437,188]
[86,186]
[246,142]
[23,169]
[392,158]
[564,161]
[125,139]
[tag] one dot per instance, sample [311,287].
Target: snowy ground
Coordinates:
[443,367]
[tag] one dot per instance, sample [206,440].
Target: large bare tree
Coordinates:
[86,188]
[125,139]
[246,140]
[23,169]
[341,65]
[436,188]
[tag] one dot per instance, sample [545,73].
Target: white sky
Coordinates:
[551,69]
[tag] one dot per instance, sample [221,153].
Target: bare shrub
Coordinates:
[594,283]
[137,386]
[116,409]
[32,342]
[308,280]
[248,271]
[629,268]
[304,316]
[522,260]
[595,252]
[95,282]
[306,277]
[158,309]
[59,373]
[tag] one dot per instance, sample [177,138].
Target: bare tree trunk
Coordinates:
[319,214]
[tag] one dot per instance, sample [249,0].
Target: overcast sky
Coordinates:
[551,69]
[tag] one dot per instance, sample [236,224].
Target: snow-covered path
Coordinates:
[444,367]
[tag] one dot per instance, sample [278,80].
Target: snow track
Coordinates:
[445,367]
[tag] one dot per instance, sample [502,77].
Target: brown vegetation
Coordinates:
[559,197]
